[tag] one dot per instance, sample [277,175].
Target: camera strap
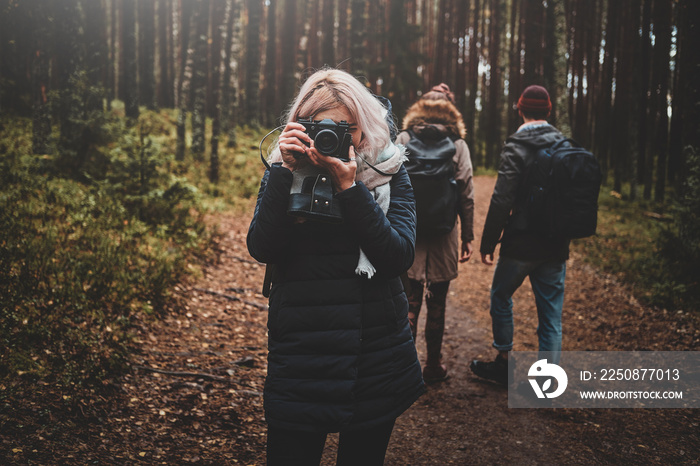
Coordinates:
[267,165]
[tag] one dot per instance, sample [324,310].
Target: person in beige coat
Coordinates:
[437,257]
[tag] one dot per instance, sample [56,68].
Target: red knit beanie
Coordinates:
[535,99]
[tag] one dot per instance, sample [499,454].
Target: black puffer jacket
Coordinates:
[508,203]
[341,355]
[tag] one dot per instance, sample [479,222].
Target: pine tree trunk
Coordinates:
[358,34]
[289,42]
[131,89]
[625,163]
[328,28]
[690,9]
[187,59]
[343,24]
[41,118]
[560,117]
[220,56]
[147,42]
[227,102]
[604,98]
[96,54]
[643,77]
[70,53]
[199,80]
[493,131]
[462,68]
[473,84]
[533,28]
[514,78]
[112,70]
[659,79]
[271,87]
[675,148]
[312,25]
[252,74]
[165,83]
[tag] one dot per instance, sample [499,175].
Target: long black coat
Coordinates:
[341,355]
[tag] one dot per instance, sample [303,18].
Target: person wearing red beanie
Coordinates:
[524,252]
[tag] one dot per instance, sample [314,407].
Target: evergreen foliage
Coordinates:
[82,260]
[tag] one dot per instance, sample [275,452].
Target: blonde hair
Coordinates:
[330,88]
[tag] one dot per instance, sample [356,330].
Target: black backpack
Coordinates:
[563,183]
[432,175]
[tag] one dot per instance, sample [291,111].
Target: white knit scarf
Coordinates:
[389,161]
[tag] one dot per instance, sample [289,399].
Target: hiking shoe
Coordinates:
[496,370]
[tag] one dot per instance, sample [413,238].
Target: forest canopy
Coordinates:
[623,74]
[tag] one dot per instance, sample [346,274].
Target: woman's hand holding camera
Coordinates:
[292,146]
[296,154]
[342,173]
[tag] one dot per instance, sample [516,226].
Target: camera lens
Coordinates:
[326,142]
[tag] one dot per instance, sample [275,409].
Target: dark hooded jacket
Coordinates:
[507,212]
[341,354]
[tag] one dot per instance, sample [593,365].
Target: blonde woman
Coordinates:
[341,356]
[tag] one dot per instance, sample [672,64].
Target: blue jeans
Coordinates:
[547,279]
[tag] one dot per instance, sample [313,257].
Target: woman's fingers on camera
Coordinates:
[295,130]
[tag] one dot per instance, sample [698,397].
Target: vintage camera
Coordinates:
[330,138]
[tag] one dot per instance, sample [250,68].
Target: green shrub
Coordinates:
[657,254]
[80,260]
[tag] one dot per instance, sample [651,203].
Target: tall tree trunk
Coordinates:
[230,91]
[97,54]
[343,51]
[533,28]
[690,9]
[188,37]
[604,100]
[314,53]
[147,42]
[440,44]
[643,78]
[514,77]
[675,148]
[470,115]
[493,131]
[271,85]
[625,163]
[560,113]
[289,40]
[252,74]
[659,79]
[327,30]
[220,62]
[70,51]
[460,87]
[165,83]
[131,89]
[120,90]
[112,70]
[199,80]
[358,34]
[41,118]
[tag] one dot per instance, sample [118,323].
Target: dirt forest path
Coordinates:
[195,397]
